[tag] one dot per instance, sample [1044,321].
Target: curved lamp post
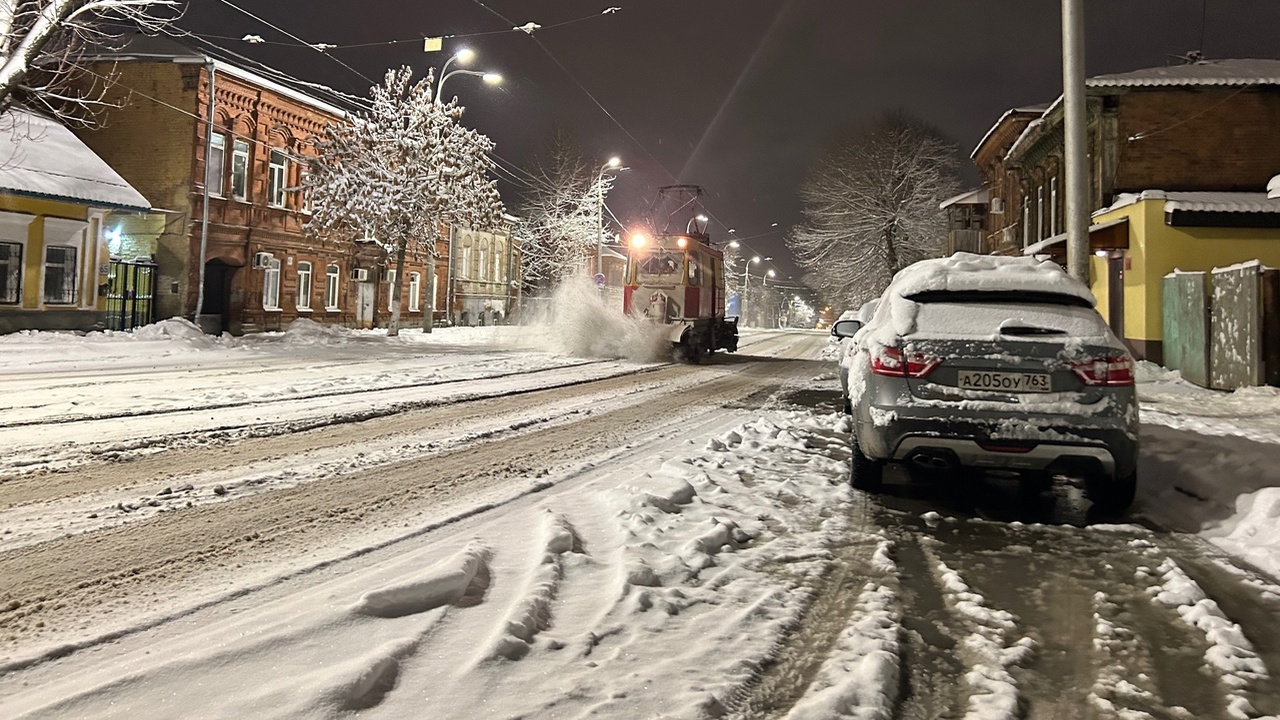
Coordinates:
[613,162]
[463,57]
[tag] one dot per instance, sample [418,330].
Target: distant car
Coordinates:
[992,363]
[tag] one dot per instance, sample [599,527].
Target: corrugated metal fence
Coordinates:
[1222,329]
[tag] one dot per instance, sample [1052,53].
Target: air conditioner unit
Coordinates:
[997,205]
[261,260]
[360,274]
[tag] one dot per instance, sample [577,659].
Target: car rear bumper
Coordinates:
[1058,444]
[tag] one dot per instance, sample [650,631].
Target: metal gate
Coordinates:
[130,294]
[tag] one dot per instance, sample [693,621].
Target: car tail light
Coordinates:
[892,362]
[1111,371]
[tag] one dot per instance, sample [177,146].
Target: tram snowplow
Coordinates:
[676,277]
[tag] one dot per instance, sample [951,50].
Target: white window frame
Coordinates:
[240,169]
[1040,213]
[277,173]
[303,300]
[271,286]
[304,192]
[415,289]
[1053,206]
[1026,221]
[497,265]
[465,272]
[391,287]
[215,172]
[332,274]
[14,228]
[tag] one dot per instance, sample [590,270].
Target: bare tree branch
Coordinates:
[42,42]
[871,207]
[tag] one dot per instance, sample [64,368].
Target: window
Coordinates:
[1026,222]
[304,191]
[415,289]
[271,286]
[240,170]
[497,265]
[214,166]
[10,272]
[466,263]
[304,286]
[331,275]
[1052,206]
[276,179]
[1040,213]
[59,275]
[391,287]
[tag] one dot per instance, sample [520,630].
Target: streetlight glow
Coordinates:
[638,240]
[492,78]
[614,161]
[465,56]
[734,244]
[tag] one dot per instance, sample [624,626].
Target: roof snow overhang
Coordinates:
[1110,235]
[46,160]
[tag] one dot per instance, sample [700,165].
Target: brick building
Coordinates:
[260,269]
[1003,234]
[1202,126]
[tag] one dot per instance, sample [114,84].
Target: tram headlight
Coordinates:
[682,243]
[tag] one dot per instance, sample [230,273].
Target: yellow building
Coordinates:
[1144,236]
[55,262]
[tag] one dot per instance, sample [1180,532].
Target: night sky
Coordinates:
[739,96]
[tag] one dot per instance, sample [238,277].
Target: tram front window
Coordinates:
[660,267]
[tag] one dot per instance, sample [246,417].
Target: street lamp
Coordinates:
[613,162]
[464,57]
[746,286]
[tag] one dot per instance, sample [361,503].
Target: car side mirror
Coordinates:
[846,328]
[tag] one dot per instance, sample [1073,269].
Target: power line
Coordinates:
[314,46]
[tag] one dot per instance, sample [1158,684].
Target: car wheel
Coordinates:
[864,473]
[1113,495]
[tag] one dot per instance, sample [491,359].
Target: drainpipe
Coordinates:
[204,221]
[449,280]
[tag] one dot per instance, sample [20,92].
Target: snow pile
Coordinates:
[987,273]
[305,331]
[1230,654]
[172,329]
[578,321]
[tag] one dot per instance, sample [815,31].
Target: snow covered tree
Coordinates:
[400,170]
[41,42]
[871,207]
[561,214]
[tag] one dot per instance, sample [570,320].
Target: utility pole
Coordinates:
[1074,119]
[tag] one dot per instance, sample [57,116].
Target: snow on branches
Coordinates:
[398,171]
[561,219]
[871,207]
[42,43]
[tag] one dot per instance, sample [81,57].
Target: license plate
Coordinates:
[1004,381]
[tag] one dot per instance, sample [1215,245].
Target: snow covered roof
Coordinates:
[1204,201]
[44,159]
[1227,72]
[981,196]
[967,271]
[1040,247]
[1025,110]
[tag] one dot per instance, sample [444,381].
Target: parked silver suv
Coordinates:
[992,363]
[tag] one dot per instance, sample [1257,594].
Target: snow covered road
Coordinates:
[537,535]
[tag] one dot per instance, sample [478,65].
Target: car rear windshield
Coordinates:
[1004,297]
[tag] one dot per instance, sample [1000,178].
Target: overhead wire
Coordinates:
[314,46]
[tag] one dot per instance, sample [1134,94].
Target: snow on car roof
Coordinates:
[964,272]
[967,271]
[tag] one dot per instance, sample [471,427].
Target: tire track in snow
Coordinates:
[533,612]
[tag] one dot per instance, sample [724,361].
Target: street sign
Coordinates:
[599,279]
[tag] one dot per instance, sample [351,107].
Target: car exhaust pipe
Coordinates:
[934,460]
